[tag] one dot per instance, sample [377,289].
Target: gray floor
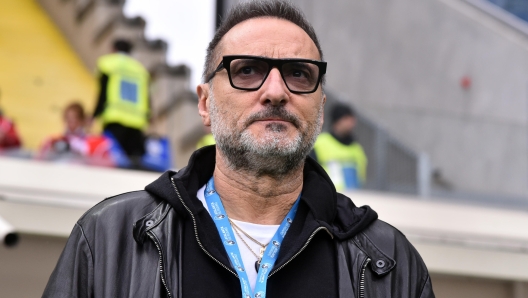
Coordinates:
[446,286]
[25,269]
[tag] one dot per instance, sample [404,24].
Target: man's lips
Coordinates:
[273,114]
[273,120]
[277,121]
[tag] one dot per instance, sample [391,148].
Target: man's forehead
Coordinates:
[268,37]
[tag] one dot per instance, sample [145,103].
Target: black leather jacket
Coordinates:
[161,242]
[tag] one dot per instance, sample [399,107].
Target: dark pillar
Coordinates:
[220,12]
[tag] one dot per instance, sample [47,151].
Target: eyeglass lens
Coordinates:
[251,73]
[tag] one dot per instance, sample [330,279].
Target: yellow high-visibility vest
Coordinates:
[340,161]
[127,91]
[206,140]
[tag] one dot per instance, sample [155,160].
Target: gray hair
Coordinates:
[251,10]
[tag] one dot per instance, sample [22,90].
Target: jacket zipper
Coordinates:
[203,248]
[302,248]
[196,230]
[362,279]
[160,262]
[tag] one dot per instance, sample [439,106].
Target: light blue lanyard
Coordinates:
[228,239]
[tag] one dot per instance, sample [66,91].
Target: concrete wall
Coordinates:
[401,62]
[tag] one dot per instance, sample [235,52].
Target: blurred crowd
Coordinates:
[123,108]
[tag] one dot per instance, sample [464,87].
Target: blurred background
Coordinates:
[436,97]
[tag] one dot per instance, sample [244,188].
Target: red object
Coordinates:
[98,146]
[89,149]
[465,82]
[8,136]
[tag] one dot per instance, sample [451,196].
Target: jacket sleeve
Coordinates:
[396,267]
[73,275]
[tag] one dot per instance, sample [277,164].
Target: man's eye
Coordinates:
[247,70]
[299,74]
[248,67]
[299,71]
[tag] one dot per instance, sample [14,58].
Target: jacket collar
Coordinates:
[321,205]
[319,194]
[200,169]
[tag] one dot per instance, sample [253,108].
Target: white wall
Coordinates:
[401,63]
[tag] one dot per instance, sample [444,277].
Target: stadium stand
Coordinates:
[51,49]
[40,71]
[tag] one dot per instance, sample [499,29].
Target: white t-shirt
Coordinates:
[261,233]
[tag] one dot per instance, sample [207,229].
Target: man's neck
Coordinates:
[260,200]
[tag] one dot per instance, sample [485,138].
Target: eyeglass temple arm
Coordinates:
[211,76]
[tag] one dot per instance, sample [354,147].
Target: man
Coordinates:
[123,103]
[253,202]
[339,153]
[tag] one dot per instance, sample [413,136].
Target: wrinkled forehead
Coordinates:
[268,37]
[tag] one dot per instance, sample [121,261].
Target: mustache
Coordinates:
[275,112]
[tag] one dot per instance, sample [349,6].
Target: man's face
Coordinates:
[344,126]
[72,120]
[271,121]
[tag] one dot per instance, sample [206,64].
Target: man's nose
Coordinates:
[275,89]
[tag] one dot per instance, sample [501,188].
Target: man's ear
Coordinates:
[203,103]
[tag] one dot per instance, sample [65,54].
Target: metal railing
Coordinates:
[394,167]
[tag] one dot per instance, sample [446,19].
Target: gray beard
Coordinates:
[270,156]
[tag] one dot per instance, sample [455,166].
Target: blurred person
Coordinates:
[251,207]
[75,145]
[207,139]
[74,119]
[338,151]
[123,102]
[9,138]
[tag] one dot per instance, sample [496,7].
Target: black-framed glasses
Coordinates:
[250,72]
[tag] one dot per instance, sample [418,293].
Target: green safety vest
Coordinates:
[335,157]
[127,91]
[206,140]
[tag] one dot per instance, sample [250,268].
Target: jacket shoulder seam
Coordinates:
[87,242]
[106,199]
[374,244]
[394,228]
[425,283]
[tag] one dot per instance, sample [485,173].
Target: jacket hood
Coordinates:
[330,209]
